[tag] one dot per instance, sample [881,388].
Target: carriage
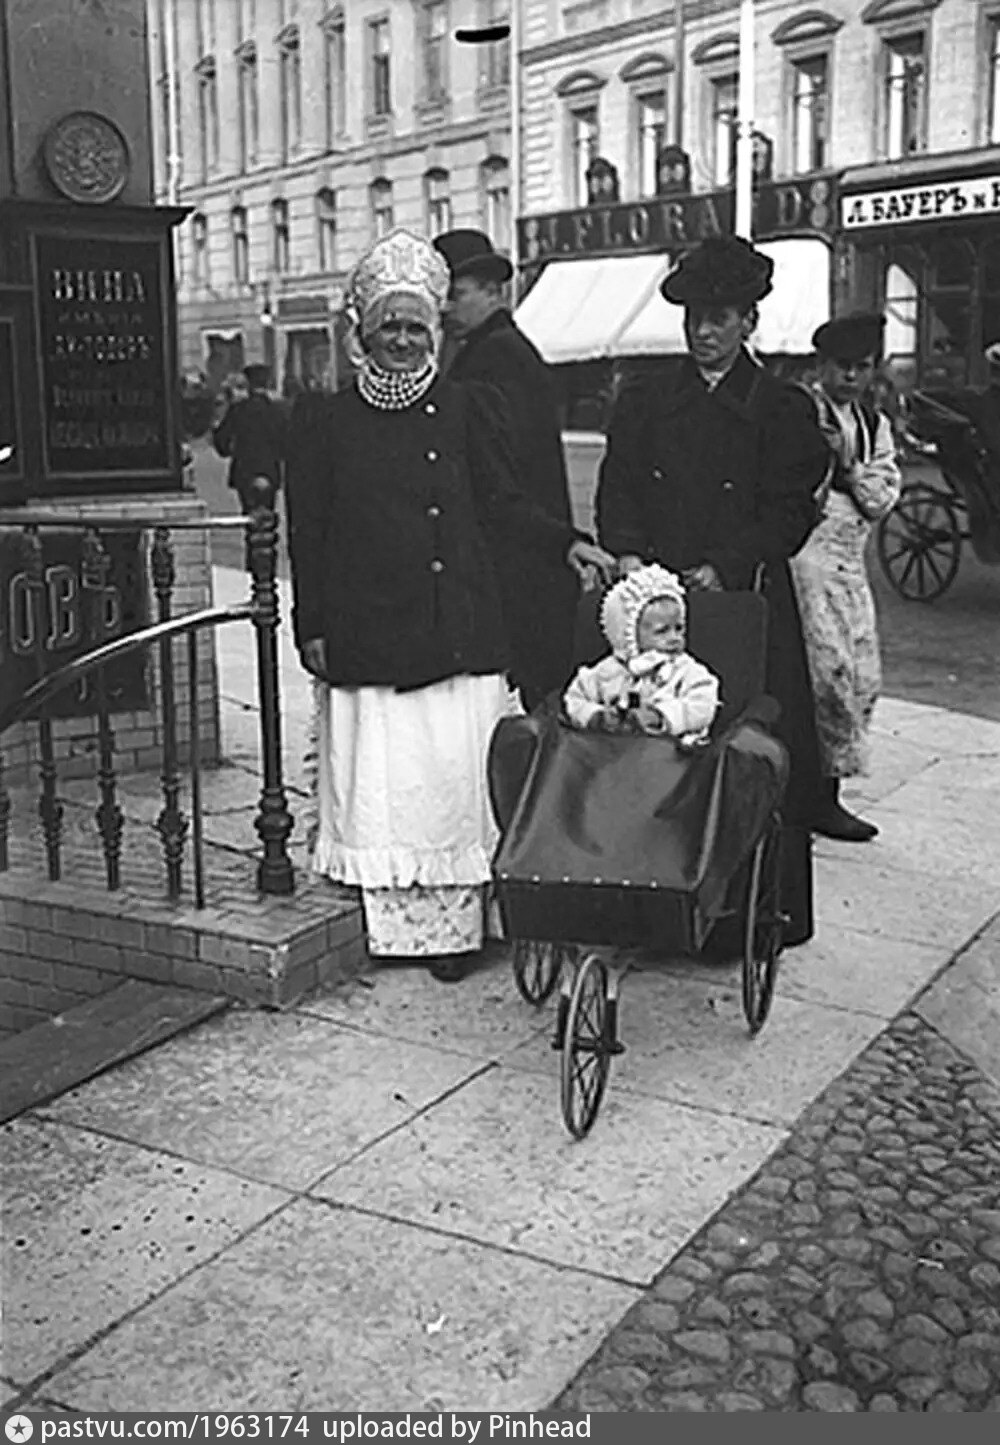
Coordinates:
[919,544]
[611,842]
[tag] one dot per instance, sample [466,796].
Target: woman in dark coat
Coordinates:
[713,472]
[397,613]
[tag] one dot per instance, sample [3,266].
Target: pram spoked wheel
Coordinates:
[590,1037]
[537,966]
[764,928]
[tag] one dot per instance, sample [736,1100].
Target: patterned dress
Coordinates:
[832,587]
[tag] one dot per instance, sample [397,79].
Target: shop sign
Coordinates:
[785,208]
[74,618]
[102,356]
[302,308]
[942,201]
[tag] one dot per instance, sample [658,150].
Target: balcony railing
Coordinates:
[273,821]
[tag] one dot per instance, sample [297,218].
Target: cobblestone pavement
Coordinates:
[859,1270]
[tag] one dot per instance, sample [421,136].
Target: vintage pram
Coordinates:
[628,841]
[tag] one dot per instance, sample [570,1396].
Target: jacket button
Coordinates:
[437,565]
[433,511]
[432,456]
[727,486]
[430,408]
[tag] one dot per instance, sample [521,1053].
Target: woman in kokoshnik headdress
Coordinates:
[394,503]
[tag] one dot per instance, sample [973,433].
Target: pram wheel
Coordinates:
[764,928]
[537,966]
[587,1047]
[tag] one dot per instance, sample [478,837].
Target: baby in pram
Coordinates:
[647,683]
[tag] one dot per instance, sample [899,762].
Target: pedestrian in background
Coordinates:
[252,435]
[711,469]
[830,573]
[539,594]
[397,614]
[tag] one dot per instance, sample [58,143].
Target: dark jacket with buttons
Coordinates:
[726,477]
[540,599]
[389,515]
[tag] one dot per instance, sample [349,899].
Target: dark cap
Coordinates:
[258,377]
[851,338]
[722,271]
[471,253]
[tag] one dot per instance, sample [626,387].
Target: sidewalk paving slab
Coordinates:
[97,1227]
[449,1325]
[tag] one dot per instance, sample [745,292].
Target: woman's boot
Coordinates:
[834,821]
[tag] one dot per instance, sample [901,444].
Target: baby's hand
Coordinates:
[646,719]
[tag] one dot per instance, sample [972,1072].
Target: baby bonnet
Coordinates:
[624,603]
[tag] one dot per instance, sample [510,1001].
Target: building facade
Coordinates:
[878,133]
[297,131]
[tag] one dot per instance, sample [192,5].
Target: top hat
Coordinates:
[471,253]
[851,338]
[722,271]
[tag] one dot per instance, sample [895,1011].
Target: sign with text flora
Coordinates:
[805,207]
[73,618]
[102,349]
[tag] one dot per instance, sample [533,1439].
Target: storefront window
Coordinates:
[991,292]
[994,84]
[902,317]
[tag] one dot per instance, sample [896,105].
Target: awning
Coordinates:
[577,310]
[597,308]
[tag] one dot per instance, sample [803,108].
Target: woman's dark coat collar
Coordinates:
[735,391]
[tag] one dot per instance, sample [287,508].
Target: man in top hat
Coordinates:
[830,574]
[712,469]
[539,598]
[252,434]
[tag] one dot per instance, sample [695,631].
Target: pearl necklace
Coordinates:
[393,390]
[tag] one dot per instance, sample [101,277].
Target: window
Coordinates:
[280,236]
[335,76]
[810,86]
[199,249]
[205,12]
[905,95]
[496,202]
[208,116]
[651,133]
[433,46]
[993,127]
[326,228]
[584,141]
[438,202]
[380,78]
[249,120]
[291,92]
[725,110]
[241,245]
[494,58]
[381,207]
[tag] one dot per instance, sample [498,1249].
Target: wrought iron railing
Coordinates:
[273,821]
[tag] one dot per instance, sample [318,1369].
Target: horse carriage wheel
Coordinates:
[764,928]
[920,543]
[586,1047]
[537,966]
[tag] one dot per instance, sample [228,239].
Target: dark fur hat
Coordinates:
[851,338]
[722,271]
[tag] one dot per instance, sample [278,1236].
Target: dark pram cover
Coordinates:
[627,840]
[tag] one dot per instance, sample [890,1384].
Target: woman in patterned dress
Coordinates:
[397,497]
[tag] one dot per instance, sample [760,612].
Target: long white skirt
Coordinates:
[403,808]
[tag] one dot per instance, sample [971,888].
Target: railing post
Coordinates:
[109,817]
[273,821]
[50,810]
[171,824]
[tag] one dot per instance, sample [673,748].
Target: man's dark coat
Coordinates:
[726,477]
[252,434]
[539,593]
